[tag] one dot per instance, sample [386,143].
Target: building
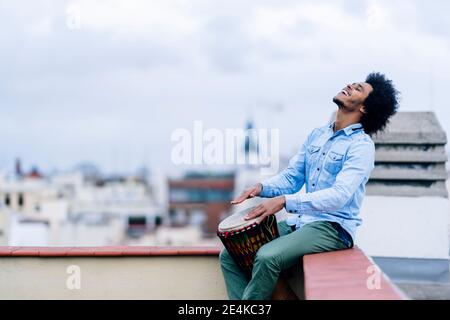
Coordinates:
[72,209]
[201,199]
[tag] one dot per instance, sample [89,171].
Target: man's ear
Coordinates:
[363,109]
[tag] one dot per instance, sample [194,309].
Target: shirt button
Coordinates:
[313,185]
[323,153]
[318,169]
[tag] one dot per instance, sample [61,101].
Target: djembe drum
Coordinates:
[243,238]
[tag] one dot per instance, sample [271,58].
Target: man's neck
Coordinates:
[344,120]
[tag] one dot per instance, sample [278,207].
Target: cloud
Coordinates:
[79,74]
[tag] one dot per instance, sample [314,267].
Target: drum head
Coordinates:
[237,221]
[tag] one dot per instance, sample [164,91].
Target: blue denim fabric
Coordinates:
[334,167]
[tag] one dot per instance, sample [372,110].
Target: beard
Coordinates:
[339,103]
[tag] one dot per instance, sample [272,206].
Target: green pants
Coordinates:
[276,256]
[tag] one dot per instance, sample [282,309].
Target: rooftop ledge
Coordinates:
[109,251]
[175,273]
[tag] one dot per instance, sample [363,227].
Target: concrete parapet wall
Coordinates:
[405,227]
[177,277]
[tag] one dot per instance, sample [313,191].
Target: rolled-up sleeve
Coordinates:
[356,170]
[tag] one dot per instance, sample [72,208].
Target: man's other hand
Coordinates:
[267,208]
[248,193]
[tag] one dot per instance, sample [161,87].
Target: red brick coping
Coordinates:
[344,275]
[108,251]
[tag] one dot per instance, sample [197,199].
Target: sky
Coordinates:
[109,81]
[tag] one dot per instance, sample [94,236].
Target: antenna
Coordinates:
[432,106]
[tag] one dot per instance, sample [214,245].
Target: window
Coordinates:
[20,200]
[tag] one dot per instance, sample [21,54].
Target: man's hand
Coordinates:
[248,193]
[267,208]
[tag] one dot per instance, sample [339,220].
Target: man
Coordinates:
[334,163]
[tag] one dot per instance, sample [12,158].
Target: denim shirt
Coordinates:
[335,167]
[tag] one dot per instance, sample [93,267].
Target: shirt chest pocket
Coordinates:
[313,151]
[333,162]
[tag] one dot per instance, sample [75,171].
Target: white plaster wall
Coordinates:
[406,227]
[178,277]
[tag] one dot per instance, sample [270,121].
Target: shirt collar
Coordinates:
[349,129]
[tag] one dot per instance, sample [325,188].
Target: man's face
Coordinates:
[352,97]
